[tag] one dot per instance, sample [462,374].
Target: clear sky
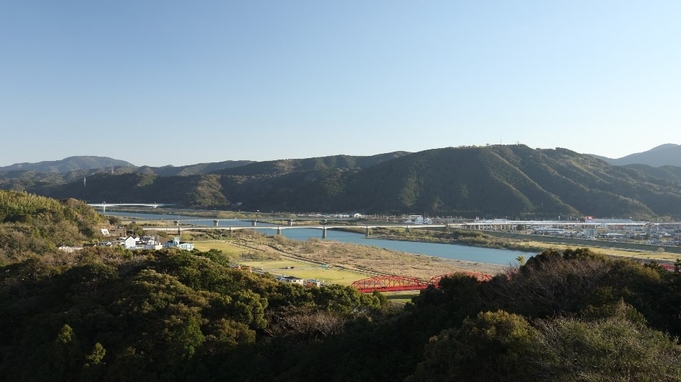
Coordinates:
[183,82]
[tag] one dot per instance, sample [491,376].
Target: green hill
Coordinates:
[494,181]
[511,181]
[31,224]
[287,166]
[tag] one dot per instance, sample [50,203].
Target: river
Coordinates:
[448,251]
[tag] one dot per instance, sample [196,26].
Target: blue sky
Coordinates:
[180,82]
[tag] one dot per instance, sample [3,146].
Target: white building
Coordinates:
[291,279]
[130,242]
[176,243]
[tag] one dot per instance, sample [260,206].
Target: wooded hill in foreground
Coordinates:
[108,314]
[499,181]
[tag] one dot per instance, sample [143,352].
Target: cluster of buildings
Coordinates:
[418,219]
[299,281]
[626,230]
[148,242]
[283,278]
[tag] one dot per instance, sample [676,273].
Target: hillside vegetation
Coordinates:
[109,314]
[512,181]
[31,224]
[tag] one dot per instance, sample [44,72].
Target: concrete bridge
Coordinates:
[103,205]
[504,225]
[323,228]
[484,225]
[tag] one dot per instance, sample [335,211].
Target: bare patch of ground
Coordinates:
[366,259]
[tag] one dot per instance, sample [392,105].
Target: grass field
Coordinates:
[304,270]
[401,297]
[284,266]
[227,248]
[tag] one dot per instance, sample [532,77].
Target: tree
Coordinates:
[94,367]
[494,346]
[613,348]
[66,357]
[133,229]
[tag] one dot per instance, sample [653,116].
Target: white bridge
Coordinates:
[483,225]
[279,228]
[103,205]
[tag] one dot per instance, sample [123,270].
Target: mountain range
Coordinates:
[69,164]
[664,155]
[511,181]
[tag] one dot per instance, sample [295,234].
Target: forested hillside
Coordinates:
[31,224]
[498,181]
[669,173]
[109,314]
[287,166]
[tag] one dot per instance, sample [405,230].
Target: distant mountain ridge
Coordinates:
[664,155]
[285,166]
[73,163]
[195,169]
[81,163]
[502,181]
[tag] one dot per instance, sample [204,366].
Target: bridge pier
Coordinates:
[366,231]
[254,223]
[323,232]
[290,222]
[216,223]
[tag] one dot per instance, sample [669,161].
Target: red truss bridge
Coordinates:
[402,283]
[389,284]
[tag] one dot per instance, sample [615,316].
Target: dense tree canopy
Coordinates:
[113,314]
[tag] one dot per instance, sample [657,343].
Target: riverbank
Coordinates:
[460,237]
[533,243]
[366,260]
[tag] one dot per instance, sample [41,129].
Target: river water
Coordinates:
[448,251]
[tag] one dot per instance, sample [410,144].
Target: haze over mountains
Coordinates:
[664,155]
[73,163]
[511,181]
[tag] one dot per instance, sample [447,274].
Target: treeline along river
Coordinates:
[448,251]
